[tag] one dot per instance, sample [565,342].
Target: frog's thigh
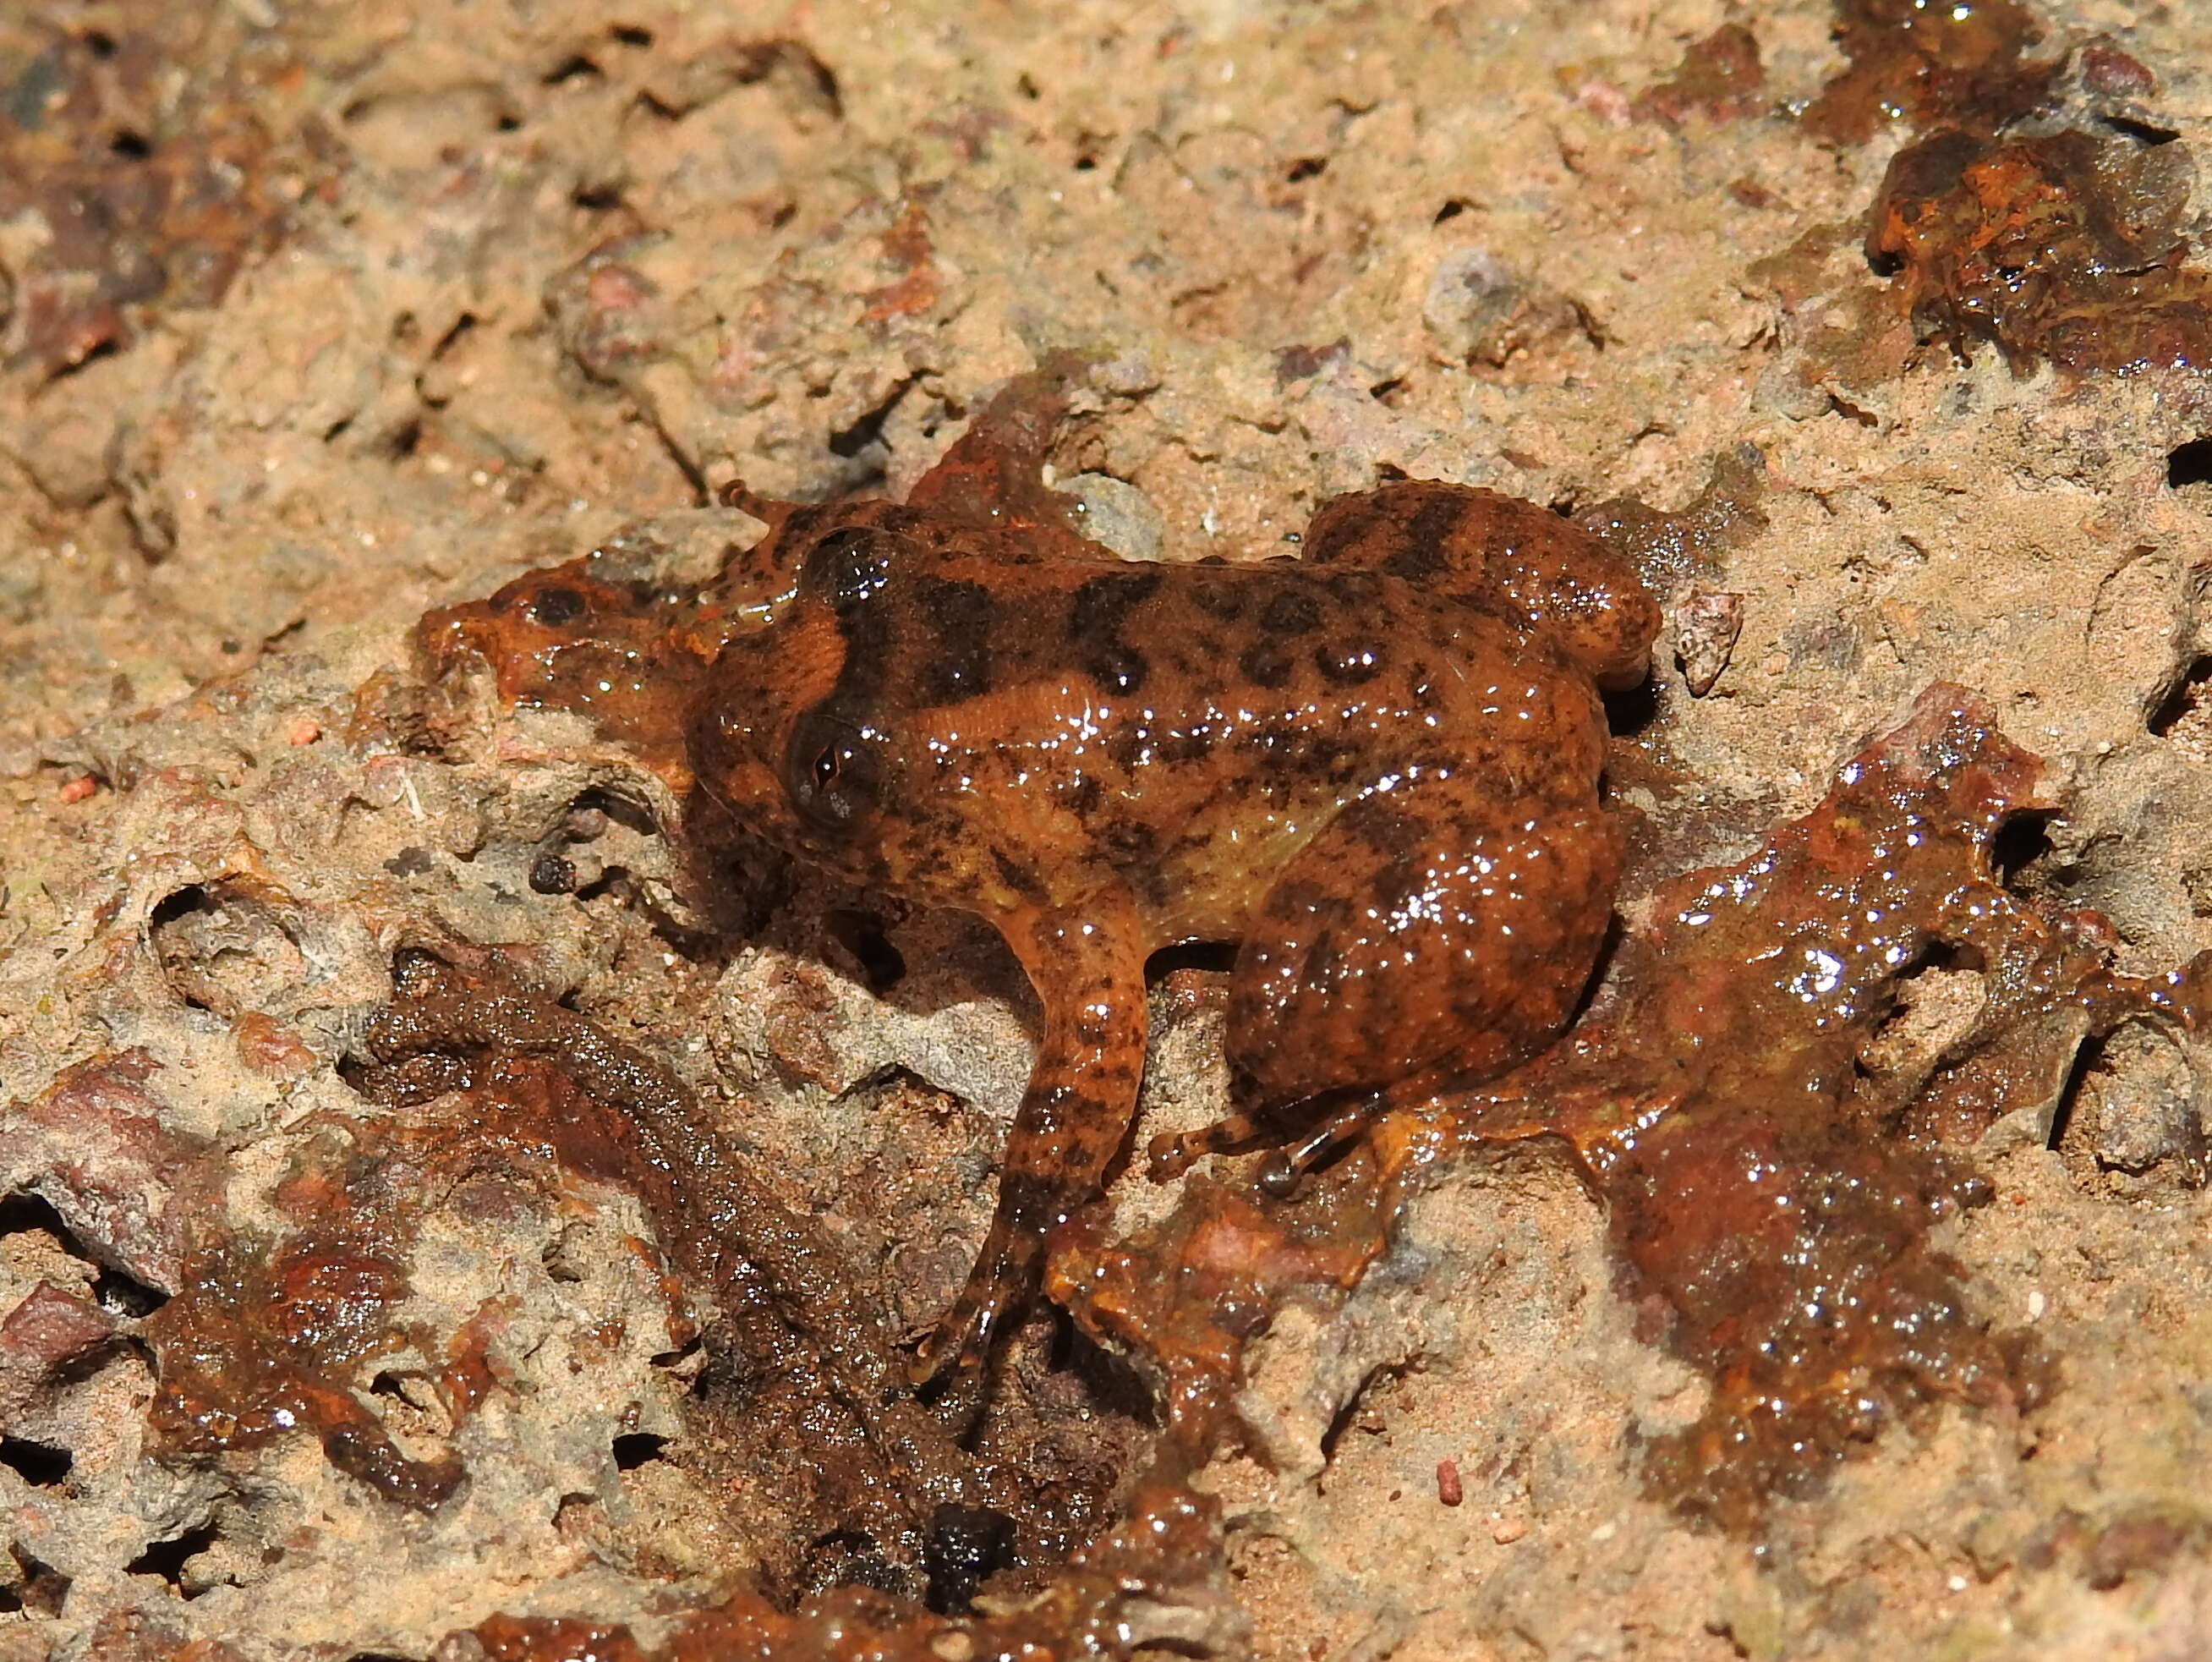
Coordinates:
[1431,929]
[1497,553]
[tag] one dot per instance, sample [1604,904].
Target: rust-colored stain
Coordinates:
[907,250]
[2066,247]
[1919,64]
[270,1339]
[1721,78]
[257,1348]
[1769,1178]
[149,192]
[2037,209]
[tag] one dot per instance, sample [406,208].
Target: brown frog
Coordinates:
[1374,768]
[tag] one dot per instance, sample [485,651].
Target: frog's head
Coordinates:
[790,739]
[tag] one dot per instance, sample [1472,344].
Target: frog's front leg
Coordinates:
[1089,975]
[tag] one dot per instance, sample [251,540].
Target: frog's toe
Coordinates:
[1171,1154]
[961,1341]
[997,1287]
[1168,1156]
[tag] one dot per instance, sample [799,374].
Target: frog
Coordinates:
[1373,769]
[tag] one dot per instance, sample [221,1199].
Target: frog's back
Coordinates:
[1191,728]
[1277,667]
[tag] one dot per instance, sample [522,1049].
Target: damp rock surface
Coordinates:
[459,1199]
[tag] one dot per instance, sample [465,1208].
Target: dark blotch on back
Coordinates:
[1129,745]
[960,614]
[846,571]
[1291,611]
[1117,669]
[1098,609]
[1350,663]
[1352,589]
[848,567]
[1334,761]
[554,607]
[1219,599]
[1420,555]
[1279,739]
[1130,843]
[1300,899]
[1186,744]
[1018,878]
[1384,829]
[1097,613]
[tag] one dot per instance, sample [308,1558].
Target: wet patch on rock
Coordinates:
[2069,246]
[1773,1158]
[1925,63]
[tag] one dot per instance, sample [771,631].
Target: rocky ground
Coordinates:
[340,1327]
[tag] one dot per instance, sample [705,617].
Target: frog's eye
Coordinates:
[831,770]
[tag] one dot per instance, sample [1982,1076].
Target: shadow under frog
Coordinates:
[1374,769]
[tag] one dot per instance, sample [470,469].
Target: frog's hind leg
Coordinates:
[1434,934]
[1502,554]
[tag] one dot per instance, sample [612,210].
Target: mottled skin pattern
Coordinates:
[1374,768]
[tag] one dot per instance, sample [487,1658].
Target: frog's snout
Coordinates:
[730,749]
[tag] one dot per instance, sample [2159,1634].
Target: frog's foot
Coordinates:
[1082,1092]
[1281,1172]
[1005,1275]
[1170,1155]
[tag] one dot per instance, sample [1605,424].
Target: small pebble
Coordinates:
[1506,1530]
[1706,626]
[76,789]
[1449,1488]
